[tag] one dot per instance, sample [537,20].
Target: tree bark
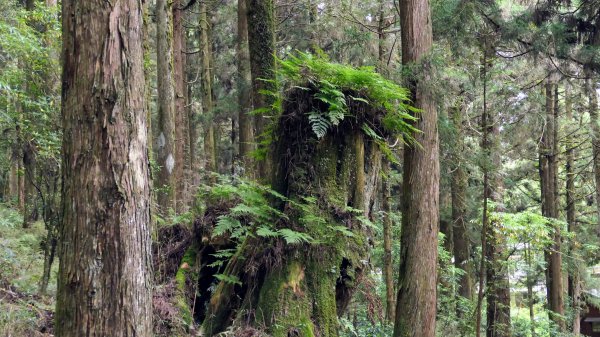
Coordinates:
[417,293]
[165,143]
[104,282]
[210,146]
[261,43]
[549,192]
[246,125]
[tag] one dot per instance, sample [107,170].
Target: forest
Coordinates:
[300,168]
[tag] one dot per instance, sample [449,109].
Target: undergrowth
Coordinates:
[22,311]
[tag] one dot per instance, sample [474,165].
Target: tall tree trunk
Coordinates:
[492,268]
[458,187]
[104,282]
[417,293]
[573,276]
[549,193]
[210,146]
[245,121]
[165,143]
[181,120]
[261,43]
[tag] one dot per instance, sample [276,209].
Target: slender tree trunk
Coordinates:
[29,171]
[210,147]
[104,282]
[261,43]
[492,267]
[573,276]
[245,121]
[458,187]
[165,143]
[549,193]
[181,120]
[417,293]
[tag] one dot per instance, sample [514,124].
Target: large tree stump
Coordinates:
[300,289]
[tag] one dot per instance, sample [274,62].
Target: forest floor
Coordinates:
[22,311]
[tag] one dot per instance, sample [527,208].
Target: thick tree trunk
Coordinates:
[245,120]
[165,143]
[458,186]
[261,42]
[417,288]
[210,146]
[549,193]
[181,120]
[104,282]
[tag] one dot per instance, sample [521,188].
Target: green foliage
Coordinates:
[334,80]
[29,67]
[21,264]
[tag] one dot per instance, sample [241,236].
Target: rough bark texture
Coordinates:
[549,193]
[417,293]
[104,282]
[301,289]
[181,120]
[261,42]
[246,125]
[458,186]
[165,143]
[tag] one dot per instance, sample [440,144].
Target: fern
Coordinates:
[332,79]
[319,123]
[226,224]
[293,237]
[266,232]
[228,279]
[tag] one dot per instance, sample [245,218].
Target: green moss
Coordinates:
[284,304]
[185,271]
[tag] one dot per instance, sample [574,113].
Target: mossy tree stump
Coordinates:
[301,289]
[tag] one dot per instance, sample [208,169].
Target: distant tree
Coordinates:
[165,142]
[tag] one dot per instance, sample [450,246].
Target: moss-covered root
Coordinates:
[186,274]
[298,299]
